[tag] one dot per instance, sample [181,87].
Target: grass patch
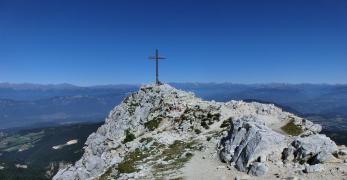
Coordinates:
[128,136]
[176,155]
[292,129]
[129,163]
[106,174]
[153,124]
[175,150]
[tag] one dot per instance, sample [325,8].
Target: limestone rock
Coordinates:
[315,128]
[313,168]
[314,149]
[258,169]
[164,115]
[288,154]
[248,142]
[343,152]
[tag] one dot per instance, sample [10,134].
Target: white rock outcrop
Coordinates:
[313,168]
[136,140]
[314,149]
[250,144]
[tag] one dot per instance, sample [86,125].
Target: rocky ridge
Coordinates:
[159,131]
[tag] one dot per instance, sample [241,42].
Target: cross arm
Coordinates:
[153,57]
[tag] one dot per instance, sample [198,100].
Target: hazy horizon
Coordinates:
[138,84]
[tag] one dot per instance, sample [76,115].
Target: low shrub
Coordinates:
[128,136]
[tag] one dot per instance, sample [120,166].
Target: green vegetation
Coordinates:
[204,124]
[176,155]
[140,155]
[153,124]
[19,142]
[214,117]
[128,137]
[209,120]
[292,129]
[197,131]
[146,140]
[173,150]
[187,116]
[41,157]
[302,161]
[176,149]
[128,165]
[106,174]
[197,114]
[189,155]
[226,123]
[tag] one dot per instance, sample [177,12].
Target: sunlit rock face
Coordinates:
[160,126]
[250,144]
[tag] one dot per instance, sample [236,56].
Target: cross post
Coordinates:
[156,58]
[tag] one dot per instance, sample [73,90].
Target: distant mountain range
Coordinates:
[28,91]
[36,105]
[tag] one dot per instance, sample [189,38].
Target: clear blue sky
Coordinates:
[107,42]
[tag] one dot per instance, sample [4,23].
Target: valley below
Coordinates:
[30,153]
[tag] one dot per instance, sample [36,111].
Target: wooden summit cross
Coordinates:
[157,58]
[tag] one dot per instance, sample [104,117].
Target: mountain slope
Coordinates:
[155,132]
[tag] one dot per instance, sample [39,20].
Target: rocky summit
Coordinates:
[160,132]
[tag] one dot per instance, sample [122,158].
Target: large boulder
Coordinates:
[313,149]
[250,142]
[310,127]
[258,169]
